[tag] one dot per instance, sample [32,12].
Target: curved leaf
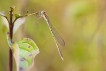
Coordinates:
[24,52]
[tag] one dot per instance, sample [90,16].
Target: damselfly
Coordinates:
[54,33]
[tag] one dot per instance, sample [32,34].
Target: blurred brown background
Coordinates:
[81,23]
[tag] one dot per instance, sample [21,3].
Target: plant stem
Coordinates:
[11,36]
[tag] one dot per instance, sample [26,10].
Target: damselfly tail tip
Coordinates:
[62,58]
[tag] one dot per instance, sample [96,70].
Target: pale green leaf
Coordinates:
[24,52]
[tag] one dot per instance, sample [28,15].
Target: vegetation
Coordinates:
[81,23]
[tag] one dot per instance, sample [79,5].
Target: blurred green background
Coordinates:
[81,23]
